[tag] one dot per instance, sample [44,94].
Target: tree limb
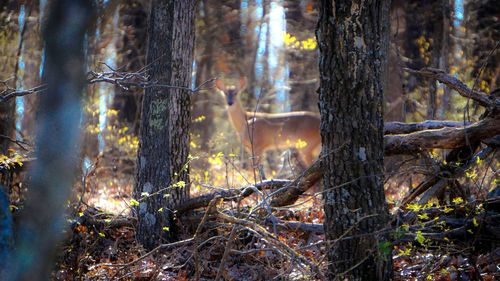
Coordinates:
[443,138]
[457,85]
[394,128]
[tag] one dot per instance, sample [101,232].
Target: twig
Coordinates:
[161,247]
[227,250]
[19,143]
[211,209]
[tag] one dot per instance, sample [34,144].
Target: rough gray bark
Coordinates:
[52,177]
[353,42]
[164,134]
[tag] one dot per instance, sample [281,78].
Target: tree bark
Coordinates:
[164,136]
[353,42]
[131,57]
[9,30]
[32,53]
[481,22]
[58,133]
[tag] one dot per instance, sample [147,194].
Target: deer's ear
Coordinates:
[243,83]
[220,85]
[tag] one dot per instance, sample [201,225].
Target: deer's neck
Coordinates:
[237,116]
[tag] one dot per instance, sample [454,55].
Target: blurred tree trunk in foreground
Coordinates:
[52,177]
[162,168]
[354,38]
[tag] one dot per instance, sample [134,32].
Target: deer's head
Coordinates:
[230,92]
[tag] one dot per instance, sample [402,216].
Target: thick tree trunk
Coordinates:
[58,133]
[164,135]
[353,42]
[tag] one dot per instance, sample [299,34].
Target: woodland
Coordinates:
[249,140]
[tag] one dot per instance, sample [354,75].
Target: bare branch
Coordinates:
[393,128]
[457,85]
[442,138]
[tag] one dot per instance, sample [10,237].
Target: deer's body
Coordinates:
[260,132]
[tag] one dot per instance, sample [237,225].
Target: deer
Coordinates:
[260,132]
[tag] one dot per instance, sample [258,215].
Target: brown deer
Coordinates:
[260,132]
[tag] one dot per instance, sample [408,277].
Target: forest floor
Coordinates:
[101,251]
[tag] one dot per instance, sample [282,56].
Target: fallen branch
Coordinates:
[457,85]
[289,191]
[448,138]
[280,246]
[229,194]
[395,128]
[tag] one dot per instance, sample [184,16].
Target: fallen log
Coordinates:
[396,128]
[229,194]
[447,138]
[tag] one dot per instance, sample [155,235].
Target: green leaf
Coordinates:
[134,203]
[420,237]
[385,248]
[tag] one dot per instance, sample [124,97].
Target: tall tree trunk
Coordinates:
[354,38]
[164,136]
[301,61]
[483,27]
[57,141]
[32,53]
[202,105]
[9,30]
[395,95]
[424,32]
[446,48]
[131,57]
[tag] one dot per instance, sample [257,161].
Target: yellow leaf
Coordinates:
[134,203]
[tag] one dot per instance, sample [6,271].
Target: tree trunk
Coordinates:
[424,32]
[354,39]
[202,105]
[446,48]
[131,57]
[164,135]
[9,31]
[301,62]
[58,133]
[481,22]
[32,53]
